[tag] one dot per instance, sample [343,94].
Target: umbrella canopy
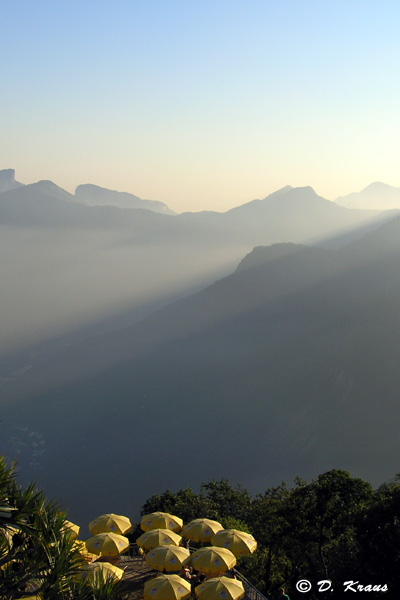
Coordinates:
[109,544]
[161,520]
[81,546]
[71,529]
[95,572]
[110,522]
[212,561]
[201,530]
[169,558]
[238,542]
[166,587]
[158,537]
[219,588]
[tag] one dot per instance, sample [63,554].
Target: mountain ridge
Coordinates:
[124,260]
[94,195]
[290,363]
[45,204]
[376,196]
[7,180]
[290,214]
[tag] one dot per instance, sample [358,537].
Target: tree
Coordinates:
[185,503]
[320,532]
[226,500]
[37,555]
[334,528]
[270,566]
[378,532]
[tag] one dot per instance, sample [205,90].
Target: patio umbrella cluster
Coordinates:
[102,548]
[165,555]
[238,542]
[211,560]
[107,538]
[162,538]
[167,558]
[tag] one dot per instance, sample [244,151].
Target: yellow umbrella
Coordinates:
[238,542]
[158,537]
[108,544]
[168,558]
[201,530]
[161,520]
[96,572]
[71,529]
[167,587]
[110,522]
[219,588]
[212,561]
[81,546]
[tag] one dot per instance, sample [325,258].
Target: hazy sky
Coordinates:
[202,104]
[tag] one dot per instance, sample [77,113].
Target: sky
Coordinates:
[201,104]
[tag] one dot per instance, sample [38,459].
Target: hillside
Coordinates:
[46,205]
[286,367]
[93,195]
[8,181]
[376,196]
[74,267]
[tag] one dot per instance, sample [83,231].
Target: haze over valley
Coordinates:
[68,264]
[143,349]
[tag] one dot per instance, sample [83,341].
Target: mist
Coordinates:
[67,267]
[54,282]
[131,337]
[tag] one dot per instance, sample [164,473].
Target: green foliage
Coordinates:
[379,534]
[334,527]
[322,514]
[232,523]
[271,564]
[37,556]
[185,503]
[227,501]
[216,500]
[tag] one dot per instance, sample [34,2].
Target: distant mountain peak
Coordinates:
[284,196]
[49,188]
[305,190]
[298,196]
[376,196]
[7,180]
[94,195]
[380,187]
[376,185]
[46,184]
[280,192]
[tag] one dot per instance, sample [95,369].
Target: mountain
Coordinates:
[93,195]
[288,215]
[44,204]
[84,266]
[286,367]
[377,196]
[298,213]
[7,180]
